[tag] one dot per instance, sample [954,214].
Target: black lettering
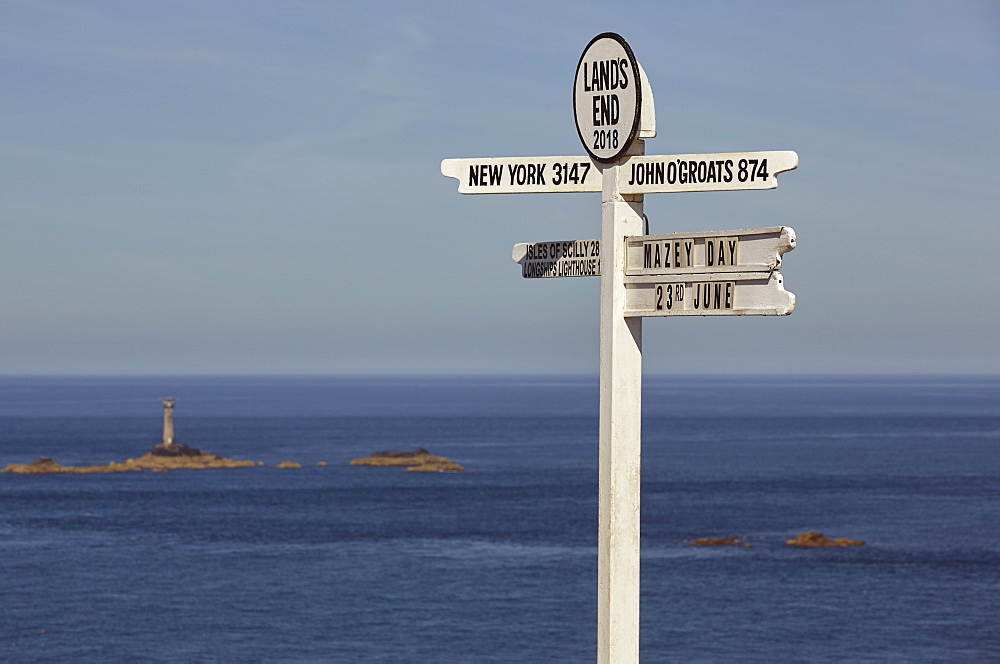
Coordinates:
[597,111]
[711,172]
[656,258]
[659,297]
[473,176]
[624,64]
[510,170]
[709,253]
[688,248]
[610,110]
[729,171]
[729,294]
[671,172]
[605,75]
[718,296]
[632,181]
[586,83]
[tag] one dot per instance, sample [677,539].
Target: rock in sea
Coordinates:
[719,541]
[419,460]
[814,540]
[161,458]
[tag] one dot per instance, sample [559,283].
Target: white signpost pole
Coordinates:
[607,105]
[620,433]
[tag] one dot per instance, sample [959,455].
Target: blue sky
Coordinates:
[254,187]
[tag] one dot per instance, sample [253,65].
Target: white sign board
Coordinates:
[523,175]
[728,171]
[568,258]
[740,294]
[607,97]
[746,250]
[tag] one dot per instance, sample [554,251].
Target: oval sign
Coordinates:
[607,97]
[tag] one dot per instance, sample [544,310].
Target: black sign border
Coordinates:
[638,98]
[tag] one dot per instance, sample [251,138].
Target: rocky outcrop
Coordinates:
[42,466]
[419,460]
[718,541]
[814,539]
[288,464]
[161,458]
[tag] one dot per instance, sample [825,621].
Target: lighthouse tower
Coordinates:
[168,421]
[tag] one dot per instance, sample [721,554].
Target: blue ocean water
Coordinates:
[346,564]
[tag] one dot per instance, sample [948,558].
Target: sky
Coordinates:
[254,187]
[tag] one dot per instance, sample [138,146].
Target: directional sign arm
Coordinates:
[745,250]
[748,294]
[724,171]
[523,175]
[568,258]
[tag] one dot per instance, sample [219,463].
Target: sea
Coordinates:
[499,564]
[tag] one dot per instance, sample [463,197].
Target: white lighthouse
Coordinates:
[168,421]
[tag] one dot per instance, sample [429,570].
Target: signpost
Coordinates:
[711,273]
